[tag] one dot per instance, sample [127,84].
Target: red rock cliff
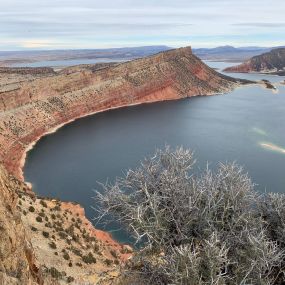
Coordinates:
[269,62]
[36,107]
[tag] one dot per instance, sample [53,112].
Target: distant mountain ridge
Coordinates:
[269,62]
[27,56]
[230,53]
[221,53]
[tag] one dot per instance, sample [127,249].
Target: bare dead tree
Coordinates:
[211,228]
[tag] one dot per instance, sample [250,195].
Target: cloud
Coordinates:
[35,44]
[94,23]
[261,25]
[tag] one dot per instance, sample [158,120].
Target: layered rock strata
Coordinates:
[39,106]
[270,62]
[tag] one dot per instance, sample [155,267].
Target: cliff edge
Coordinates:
[36,107]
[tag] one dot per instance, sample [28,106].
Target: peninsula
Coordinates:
[272,62]
[37,103]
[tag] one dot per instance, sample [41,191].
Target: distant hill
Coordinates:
[229,53]
[222,53]
[15,57]
[269,62]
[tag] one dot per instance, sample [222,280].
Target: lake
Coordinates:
[246,126]
[68,62]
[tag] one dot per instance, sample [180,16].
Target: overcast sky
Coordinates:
[57,24]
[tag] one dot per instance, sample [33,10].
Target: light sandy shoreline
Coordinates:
[273,147]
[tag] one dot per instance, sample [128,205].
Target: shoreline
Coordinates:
[107,235]
[55,129]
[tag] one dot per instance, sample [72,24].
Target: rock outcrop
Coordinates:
[270,62]
[37,107]
[17,259]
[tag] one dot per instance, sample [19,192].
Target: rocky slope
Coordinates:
[34,104]
[17,258]
[62,236]
[270,62]
[44,241]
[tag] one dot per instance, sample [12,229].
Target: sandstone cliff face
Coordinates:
[43,104]
[17,261]
[270,62]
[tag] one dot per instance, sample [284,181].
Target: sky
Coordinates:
[76,24]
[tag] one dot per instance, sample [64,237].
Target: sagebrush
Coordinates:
[209,228]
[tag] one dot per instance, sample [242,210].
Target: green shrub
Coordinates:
[76,251]
[114,253]
[52,245]
[39,219]
[75,238]
[48,225]
[89,258]
[31,209]
[66,256]
[43,203]
[108,262]
[34,229]
[55,273]
[96,248]
[62,235]
[116,261]
[57,208]
[70,279]
[45,234]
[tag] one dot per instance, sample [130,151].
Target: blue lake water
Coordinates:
[237,126]
[68,62]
